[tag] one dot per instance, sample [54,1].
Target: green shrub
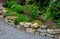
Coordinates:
[48,14]
[32,11]
[16,21]
[17,8]
[10,3]
[8,13]
[58,21]
[14,6]
[21,18]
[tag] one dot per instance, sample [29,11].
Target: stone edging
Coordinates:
[39,31]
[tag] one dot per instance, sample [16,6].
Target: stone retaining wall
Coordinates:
[36,29]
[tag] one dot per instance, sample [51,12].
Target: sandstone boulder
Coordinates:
[27,25]
[34,25]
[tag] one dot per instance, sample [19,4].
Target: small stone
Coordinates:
[9,21]
[0,18]
[43,27]
[21,23]
[18,26]
[37,33]
[22,27]
[34,26]
[41,30]
[4,10]
[43,34]
[59,37]
[30,30]
[50,31]
[27,25]
[56,31]
[6,20]
[49,35]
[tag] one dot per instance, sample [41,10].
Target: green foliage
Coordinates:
[28,1]
[21,18]
[58,21]
[37,21]
[56,10]
[16,21]
[15,7]
[10,3]
[52,26]
[50,13]
[32,11]
[8,13]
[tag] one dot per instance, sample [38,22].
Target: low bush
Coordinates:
[16,21]
[21,18]
[15,7]
[32,11]
[52,11]
[10,3]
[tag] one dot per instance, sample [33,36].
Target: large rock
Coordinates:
[27,25]
[34,25]
[41,30]
[30,30]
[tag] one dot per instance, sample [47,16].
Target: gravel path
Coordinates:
[9,32]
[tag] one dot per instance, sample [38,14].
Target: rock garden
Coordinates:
[34,17]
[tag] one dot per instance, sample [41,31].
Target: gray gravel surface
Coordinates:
[9,32]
